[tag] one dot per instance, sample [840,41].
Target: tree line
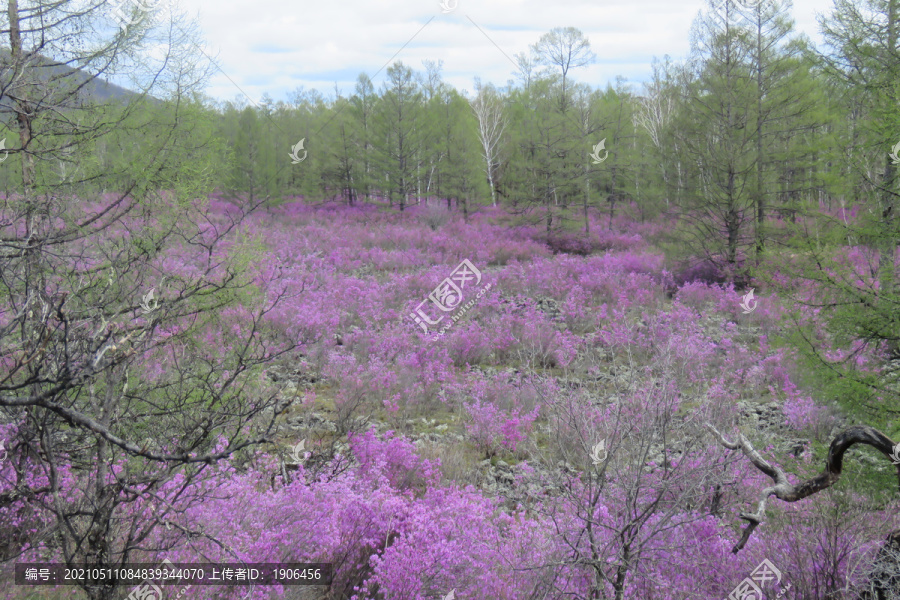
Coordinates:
[753,128]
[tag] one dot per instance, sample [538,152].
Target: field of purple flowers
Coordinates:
[546,438]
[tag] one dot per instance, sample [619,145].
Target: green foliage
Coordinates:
[844,266]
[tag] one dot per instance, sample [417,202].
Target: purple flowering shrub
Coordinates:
[582,340]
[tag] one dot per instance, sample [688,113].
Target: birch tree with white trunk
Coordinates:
[492,121]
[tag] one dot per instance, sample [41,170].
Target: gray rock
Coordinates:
[795,447]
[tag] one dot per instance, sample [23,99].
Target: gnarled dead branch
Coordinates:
[783,489]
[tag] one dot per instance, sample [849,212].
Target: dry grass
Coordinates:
[458,460]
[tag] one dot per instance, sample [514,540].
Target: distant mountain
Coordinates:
[96,90]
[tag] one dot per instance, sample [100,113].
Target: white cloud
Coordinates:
[275,47]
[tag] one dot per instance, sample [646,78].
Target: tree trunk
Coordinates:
[22,106]
[612,196]
[621,574]
[491,183]
[549,217]
[760,197]
[587,194]
[888,252]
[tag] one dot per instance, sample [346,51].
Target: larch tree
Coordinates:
[784,102]
[400,135]
[718,136]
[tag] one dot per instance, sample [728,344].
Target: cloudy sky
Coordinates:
[276,47]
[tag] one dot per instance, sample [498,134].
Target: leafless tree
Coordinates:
[624,495]
[565,48]
[128,374]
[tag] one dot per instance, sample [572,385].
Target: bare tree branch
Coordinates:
[784,489]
